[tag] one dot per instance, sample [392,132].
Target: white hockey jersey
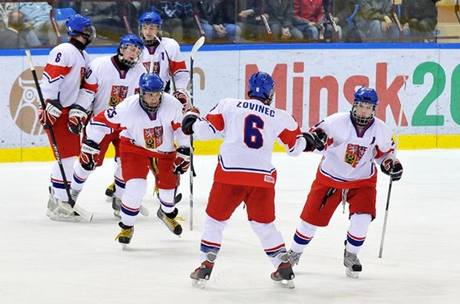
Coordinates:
[63,74]
[105,85]
[348,159]
[166,60]
[250,129]
[141,133]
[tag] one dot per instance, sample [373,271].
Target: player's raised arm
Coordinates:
[207,127]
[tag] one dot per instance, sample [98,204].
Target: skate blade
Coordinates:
[199,283]
[286,284]
[351,274]
[144,211]
[61,218]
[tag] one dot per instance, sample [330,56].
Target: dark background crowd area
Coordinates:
[42,23]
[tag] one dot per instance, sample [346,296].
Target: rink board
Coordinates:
[312,81]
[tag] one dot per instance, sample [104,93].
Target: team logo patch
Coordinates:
[354,154]
[156,67]
[117,94]
[153,137]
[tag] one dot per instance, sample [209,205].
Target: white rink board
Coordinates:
[430,92]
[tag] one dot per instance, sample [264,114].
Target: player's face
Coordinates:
[149,31]
[153,99]
[131,53]
[364,109]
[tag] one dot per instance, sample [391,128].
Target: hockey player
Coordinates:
[162,56]
[347,173]
[109,80]
[149,124]
[244,171]
[65,68]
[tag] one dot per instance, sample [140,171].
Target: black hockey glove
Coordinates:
[189,119]
[392,168]
[88,155]
[315,139]
[49,115]
[77,119]
[182,162]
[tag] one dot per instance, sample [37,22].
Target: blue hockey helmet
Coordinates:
[261,86]
[150,18]
[150,83]
[80,25]
[364,95]
[368,95]
[125,41]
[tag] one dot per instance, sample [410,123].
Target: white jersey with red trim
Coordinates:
[350,153]
[63,74]
[250,129]
[105,85]
[167,60]
[151,132]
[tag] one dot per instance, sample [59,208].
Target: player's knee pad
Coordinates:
[213,224]
[359,223]
[134,190]
[264,229]
[306,229]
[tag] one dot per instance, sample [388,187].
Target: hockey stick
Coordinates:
[267,27]
[83,213]
[198,24]
[385,219]
[198,44]
[55,25]
[457,10]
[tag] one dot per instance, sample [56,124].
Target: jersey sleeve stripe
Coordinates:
[216,120]
[289,137]
[175,125]
[176,66]
[54,72]
[90,87]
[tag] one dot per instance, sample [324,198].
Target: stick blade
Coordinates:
[198,44]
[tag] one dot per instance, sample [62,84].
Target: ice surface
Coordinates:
[42,261]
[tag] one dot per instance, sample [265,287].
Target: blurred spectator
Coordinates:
[310,19]
[281,20]
[9,38]
[108,17]
[254,19]
[178,20]
[223,21]
[204,11]
[419,19]
[32,21]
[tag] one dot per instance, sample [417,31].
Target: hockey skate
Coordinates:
[284,274]
[58,210]
[202,274]
[116,206]
[171,220]
[294,257]
[110,191]
[352,264]
[125,235]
